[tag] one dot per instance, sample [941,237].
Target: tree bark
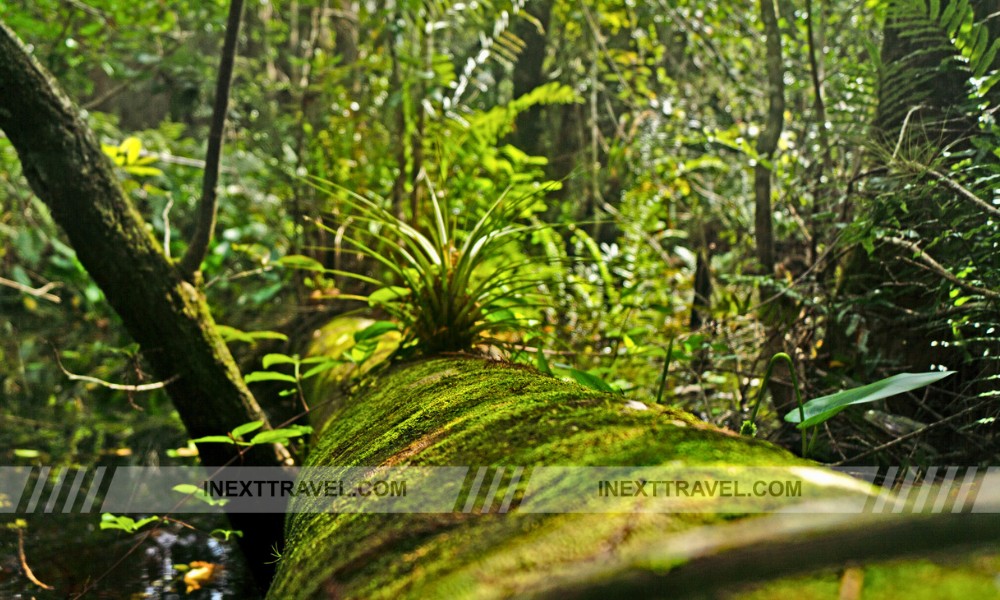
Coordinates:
[767,143]
[529,74]
[463,411]
[165,314]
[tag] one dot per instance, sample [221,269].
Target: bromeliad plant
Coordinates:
[446,283]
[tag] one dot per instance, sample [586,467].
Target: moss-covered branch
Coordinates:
[467,411]
[165,314]
[464,411]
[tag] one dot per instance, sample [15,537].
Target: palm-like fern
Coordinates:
[936,57]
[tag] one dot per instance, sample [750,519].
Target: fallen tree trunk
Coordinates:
[512,529]
[465,411]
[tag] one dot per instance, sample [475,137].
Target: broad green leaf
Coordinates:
[26,453]
[541,363]
[268,376]
[362,351]
[820,409]
[231,334]
[247,428]
[325,366]
[126,524]
[267,335]
[388,294]
[141,171]
[225,533]
[590,380]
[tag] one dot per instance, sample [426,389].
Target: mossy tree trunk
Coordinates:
[167,315]
[473,412]
[463,411]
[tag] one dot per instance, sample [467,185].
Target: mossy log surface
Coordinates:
[468,411]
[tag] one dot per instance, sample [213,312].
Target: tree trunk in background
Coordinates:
[166,315]
[529,74]
[777,312]
[345,27]
[767,143]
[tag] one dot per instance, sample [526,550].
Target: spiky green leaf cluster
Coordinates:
[440,280]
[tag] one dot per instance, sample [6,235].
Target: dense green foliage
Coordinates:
[632,130]
[570,185]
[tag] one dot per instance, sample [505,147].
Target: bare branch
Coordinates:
[41,292]
[909,436]
[146,387]
[24,563]
[964,192]
[928,262]
[209,199]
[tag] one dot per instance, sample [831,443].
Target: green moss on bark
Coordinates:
[467,411]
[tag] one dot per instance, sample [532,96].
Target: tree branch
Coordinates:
[120,387]
[168,316]
[208,207]
[962,191]
[42,292]
[929,263]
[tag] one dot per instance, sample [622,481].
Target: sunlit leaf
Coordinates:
[820,409]
[131,147]
[247,428]
[214,439]
[269,376]
[270,360]
[375,330]
[199,573]
[281,436]
[297,261]
[199,494]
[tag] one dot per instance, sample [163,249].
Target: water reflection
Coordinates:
[73,555]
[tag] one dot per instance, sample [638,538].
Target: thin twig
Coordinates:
[145,387]
[24,563]
[928,262]
[912,434]
[166,227]
[142,72]
[90,10]
[41,292]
